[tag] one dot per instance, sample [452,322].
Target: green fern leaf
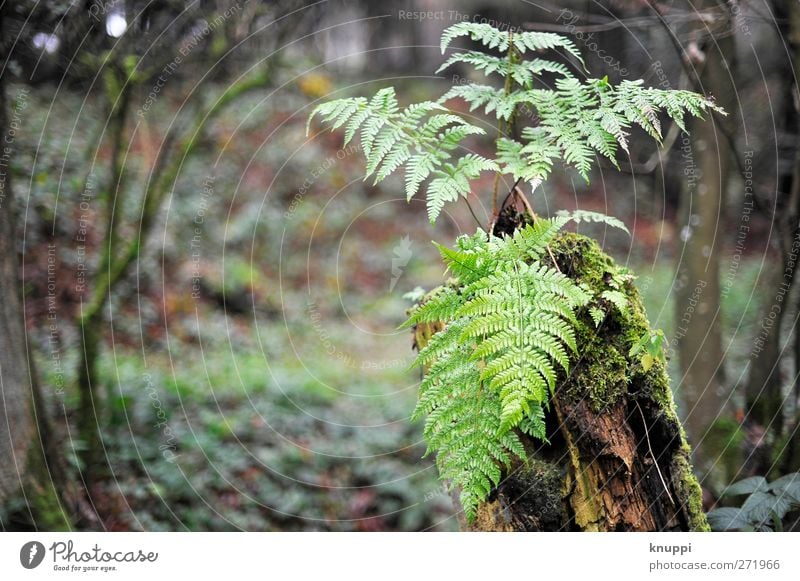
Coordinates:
[617,298]
[579,216]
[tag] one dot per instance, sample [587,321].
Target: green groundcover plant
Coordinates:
[508,313]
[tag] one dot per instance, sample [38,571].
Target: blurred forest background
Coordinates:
[209,298]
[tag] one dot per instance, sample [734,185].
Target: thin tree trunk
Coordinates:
[764,394]
[24,432]
[617,459]
[706,167]
[115,265]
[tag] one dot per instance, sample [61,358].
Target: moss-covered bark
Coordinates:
[617,458]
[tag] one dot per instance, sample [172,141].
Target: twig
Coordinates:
[471,211]
[508,85]
[496,211]
[510,192]
[495,188]
[521,195]
[649,447]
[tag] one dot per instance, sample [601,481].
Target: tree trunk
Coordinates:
[765,400]
[617,458]
[25,473]
[706,160]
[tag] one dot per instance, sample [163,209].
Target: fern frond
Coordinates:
[531,162]
[523,73]
[530,242]
[597,315]
[454,181]
[421,137]
[488,97]
[579,216]
[617,298]
[419,167]
[486,34]
[539,41]
[463,426]
[441,344]
[467,265]
[440,306]
[337,112]
[493,38]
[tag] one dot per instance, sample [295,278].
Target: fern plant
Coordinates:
[509,317]
[576,121]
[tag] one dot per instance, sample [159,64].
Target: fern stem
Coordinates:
[471,211]
[496,187]
[521,195]
[507,90]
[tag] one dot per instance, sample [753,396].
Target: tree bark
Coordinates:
[765,399]
[706,159]
[25,442]
[617,457]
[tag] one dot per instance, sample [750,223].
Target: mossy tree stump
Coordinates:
[617,457]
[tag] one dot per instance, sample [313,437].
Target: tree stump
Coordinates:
[617,457]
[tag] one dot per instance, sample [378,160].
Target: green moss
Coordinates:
[605,370]
[688,488]
[535,492]
[600,374]
[48,512]
[603,367]
[47,509]
[654,385]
